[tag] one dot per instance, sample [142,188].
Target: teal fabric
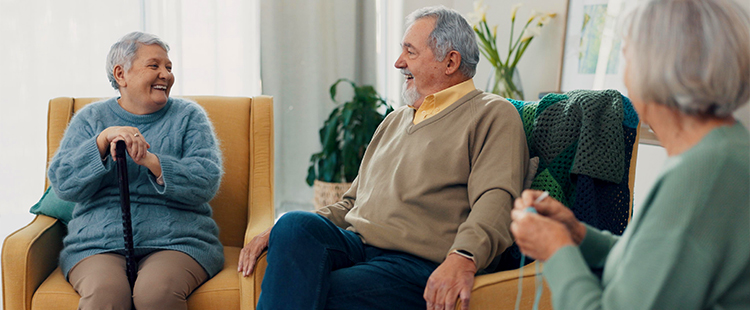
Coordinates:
[591,122]
[52,206]
[579,132]
[686,248]
[173,216]
[584,140]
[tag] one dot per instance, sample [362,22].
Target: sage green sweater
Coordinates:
[687,248]
[443,184]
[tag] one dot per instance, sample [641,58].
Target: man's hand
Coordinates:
[453,279]
[251,251]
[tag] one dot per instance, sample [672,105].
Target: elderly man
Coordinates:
[432,201]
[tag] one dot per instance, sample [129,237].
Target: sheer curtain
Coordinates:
[215,45]
[306,47]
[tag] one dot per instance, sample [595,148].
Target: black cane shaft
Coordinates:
[127,227]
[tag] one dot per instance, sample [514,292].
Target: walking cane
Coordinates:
[127,227]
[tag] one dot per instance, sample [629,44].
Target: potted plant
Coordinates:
[344,137]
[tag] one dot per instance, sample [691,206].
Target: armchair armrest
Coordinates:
[29,255]
[499,290]
[250,286]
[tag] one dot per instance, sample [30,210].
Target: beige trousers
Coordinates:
[165,280]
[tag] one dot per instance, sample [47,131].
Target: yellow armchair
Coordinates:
[242,208]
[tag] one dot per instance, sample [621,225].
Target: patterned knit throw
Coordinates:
[584,140]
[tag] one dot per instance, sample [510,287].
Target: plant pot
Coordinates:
[328,193]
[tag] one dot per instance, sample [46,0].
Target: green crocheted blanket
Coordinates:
[579,132]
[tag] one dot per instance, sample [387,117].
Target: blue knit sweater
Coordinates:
[173,216]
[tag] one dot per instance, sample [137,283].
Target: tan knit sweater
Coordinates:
[446,183]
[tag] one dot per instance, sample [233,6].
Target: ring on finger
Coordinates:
[136,134]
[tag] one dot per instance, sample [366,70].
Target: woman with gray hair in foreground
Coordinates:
[174,170]
[688,247]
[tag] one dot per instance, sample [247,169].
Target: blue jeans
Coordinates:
[313,264]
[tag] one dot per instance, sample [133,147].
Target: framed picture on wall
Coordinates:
[592,53]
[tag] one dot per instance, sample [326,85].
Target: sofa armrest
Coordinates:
[29,255]
[499,290]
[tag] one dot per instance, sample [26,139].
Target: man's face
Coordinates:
[417,62]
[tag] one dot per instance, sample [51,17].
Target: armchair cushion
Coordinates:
[52,206]
[222,292]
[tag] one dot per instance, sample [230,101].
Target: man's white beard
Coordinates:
[410,95]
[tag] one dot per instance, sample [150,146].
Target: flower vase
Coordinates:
[505,84]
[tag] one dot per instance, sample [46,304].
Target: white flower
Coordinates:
[514,10]
[533,15]
[531,32]
[546,18]
[473,19]
[480,9]
[479,14]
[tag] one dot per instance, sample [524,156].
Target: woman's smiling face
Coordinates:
[148,81]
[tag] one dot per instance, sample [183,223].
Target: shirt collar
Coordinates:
[446,97]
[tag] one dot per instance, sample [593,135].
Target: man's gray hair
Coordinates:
[123,52]
[693,55]
[452,33]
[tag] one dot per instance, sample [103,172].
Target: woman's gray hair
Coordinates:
[123,52]
[452,32]
[693,55]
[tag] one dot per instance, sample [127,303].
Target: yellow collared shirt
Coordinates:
[433,104]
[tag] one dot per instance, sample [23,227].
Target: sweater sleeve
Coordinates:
[77,171]
[499,157]
[596,246]
[194,177]
[672,257]
[336,212]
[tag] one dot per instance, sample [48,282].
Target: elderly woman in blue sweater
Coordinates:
[175,169]
[688,246]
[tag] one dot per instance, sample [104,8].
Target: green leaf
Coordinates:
[347,116]
[311,175]
[346,134]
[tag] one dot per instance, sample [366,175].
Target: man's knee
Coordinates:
[294,224]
